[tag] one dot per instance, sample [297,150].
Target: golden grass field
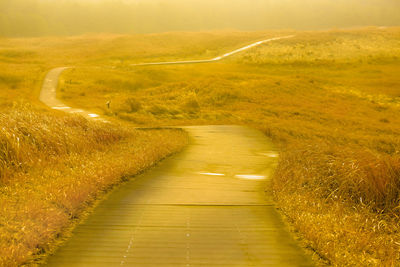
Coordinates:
[328,99]
[54,166]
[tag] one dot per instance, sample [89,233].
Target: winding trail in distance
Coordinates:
[216,58]
[206,206]
[48,93]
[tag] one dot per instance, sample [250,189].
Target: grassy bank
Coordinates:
[330,100]
[53,166]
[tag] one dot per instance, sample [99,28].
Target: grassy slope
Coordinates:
[53,165]
[329,99]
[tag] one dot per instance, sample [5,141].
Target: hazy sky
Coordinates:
[64,17]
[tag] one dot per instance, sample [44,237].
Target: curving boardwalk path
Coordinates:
[216,58]
[203,207]
[206,206]
[48,93]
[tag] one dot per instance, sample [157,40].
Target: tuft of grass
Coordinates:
[16,54]
[158,110]
[190,104]
[133,105]
[9,81]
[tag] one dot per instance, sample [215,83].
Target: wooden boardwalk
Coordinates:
[206,206]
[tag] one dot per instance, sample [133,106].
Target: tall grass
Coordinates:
[345,174]
[29,138]
[52,166]
[344,202]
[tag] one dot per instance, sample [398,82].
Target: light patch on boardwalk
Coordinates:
[77,111]
[211,174]
[60,107]
[250,177]
[270,154]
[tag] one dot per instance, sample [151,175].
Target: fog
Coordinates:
[70,17]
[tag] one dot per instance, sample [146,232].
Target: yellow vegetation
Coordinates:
[53,166]
[330,100]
